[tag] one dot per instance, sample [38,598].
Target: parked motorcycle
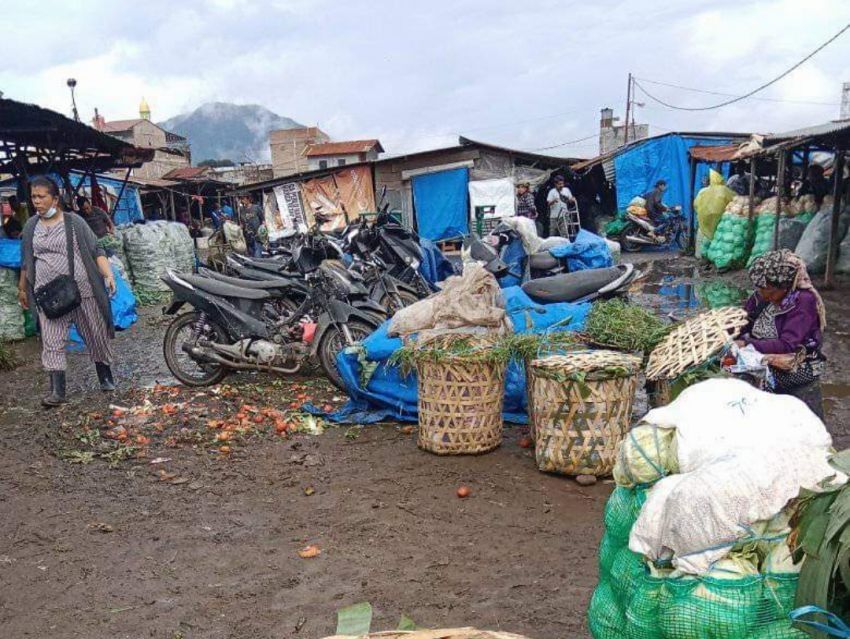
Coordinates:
[248,327]
[640,232]
[582,286]
[496,245]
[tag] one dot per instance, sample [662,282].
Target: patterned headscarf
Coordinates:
[785,269]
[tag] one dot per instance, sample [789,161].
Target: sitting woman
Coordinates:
[787,319]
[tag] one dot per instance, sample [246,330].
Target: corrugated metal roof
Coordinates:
[723,153]
[119,125]
[343,148]
[187,173]
[835,126]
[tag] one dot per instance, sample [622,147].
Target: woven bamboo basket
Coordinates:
[460,406]
[582,410]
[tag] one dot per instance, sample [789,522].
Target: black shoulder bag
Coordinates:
[60,295]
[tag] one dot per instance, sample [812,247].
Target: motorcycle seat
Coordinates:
[543,261]
[568,287]
[223,289]
[271,283]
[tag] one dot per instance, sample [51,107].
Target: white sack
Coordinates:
[814,242]
[743,453]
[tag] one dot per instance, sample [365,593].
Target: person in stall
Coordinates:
[815,184]
[525,206]
[11,228]
[558,199]
[786,322]
[97,219]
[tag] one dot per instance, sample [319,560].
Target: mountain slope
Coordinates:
[220,130]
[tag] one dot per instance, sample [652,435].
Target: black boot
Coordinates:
[104,374]
[57,390]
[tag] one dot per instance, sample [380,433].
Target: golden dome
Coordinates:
[144,110]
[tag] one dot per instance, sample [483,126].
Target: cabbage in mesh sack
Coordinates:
[647,454]
[731,242]
[606,617]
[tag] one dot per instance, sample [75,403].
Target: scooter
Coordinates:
[640,232]
[582,286]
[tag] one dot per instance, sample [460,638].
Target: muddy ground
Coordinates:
[205,545]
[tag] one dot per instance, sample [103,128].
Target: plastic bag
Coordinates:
[711,202]
[814,242]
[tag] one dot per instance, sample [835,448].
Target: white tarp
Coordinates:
[743,453]
[498,193]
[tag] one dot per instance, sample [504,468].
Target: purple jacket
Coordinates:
[797,324]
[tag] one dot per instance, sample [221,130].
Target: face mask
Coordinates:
[50,213]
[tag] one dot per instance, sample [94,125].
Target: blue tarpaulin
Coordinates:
[639,167]
[389,395]
[123,305]
[434,267]
[10,253]
[129,207]
[442,204]
[588,251]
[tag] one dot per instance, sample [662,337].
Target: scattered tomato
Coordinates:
[327,408]
[309,552]
[241,415]
[525,442]
[224,450]
[118,412]
[142,440]
[281,427]
[295,405]
[258,419]
[223,437]
[463,492]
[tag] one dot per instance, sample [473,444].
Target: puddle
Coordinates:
[682,293]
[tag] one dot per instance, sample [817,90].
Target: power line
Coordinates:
[754,91]
[569,142]
[733,95]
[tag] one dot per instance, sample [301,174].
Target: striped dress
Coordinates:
[51,260]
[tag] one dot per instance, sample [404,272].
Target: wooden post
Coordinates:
[692,232]
[752,193]
[173,210]
[837,191]
[780,192]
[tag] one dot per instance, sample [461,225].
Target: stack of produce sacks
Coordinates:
[709,204]
[695,532]
[154,247]
[814,241]
[11,313]
[732,238]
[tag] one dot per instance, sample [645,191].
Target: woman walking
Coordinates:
[67,278]
[786,323]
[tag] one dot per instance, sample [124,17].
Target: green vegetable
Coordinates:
[622,326]
[647,454]
[453,348]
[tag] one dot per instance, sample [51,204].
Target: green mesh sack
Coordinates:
[779,630]
[731,242]
[763,242]
[608,549]
[606,617]
[626,571]
[620,514]
[643,609]
[708,607]
[778,593]
[806,217]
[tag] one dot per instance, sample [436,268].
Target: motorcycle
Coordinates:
[496,245]
[247,327]
[582,286]
[640,231]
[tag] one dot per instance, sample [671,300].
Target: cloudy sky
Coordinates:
[416,73]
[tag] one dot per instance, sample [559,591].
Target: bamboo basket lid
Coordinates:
[694,341]
[446,633]
[610,363]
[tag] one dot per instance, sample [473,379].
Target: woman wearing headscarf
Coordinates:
[786,322]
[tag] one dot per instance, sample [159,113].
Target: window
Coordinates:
[323,164]
[340,162]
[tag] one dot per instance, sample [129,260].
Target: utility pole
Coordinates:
[628,110]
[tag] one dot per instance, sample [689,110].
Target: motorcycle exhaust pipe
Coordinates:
[641,240]
[202,355]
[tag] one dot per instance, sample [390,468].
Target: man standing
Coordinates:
[251,217]
[97,219]
[558,198]
[525,206]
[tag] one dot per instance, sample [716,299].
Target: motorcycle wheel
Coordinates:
[186,370]
[625,243]
[334,341]
[394,303]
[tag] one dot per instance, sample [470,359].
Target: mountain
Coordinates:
[220,130]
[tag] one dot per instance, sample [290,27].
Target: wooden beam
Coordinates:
[692,232]
[752,193]
[780,192]
[834,239]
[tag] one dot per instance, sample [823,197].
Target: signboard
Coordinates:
[290,213]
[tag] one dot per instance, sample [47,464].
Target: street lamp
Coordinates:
[71,84]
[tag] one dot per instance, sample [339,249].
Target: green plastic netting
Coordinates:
[608,549]
[606,617]
[731,242]
[764,232]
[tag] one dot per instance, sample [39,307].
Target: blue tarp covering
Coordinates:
[123,305]
[587,252]
[442,204]
[514,256]
[10,253]
[388,395]
[435,267]
[128,208]
[663,158]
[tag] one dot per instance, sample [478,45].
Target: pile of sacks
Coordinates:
[154,247]
[733,236]
[11,313]
[695,540]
